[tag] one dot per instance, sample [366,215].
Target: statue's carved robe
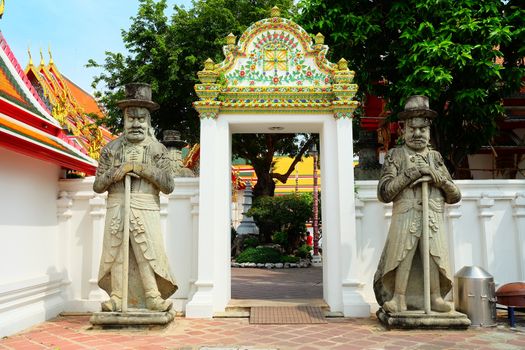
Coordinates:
[398,173]
[145,227]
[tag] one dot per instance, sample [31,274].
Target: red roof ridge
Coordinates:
[20,71]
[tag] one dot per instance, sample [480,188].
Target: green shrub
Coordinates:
[288,214]
[280,238]
[289,259]
[250,242]
[261,255]
[303,251]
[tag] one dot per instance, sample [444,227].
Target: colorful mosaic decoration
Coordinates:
[275,67]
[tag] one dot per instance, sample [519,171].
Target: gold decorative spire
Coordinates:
[230,39]
[30,58]
[342,64]
[2,6]
[42,63]
[275,12]
[209,64]
[319,39]
[50,55]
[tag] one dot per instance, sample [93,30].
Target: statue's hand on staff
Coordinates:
[429,175]
[122,171]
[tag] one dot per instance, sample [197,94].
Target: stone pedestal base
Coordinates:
[133,318]
[420,320]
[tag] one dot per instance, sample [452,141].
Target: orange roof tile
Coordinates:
[85,100]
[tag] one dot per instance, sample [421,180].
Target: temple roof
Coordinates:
[75,109]
[26,124]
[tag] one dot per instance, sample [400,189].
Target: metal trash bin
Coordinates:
[474,295]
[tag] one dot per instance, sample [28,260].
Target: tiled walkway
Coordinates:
[74,332]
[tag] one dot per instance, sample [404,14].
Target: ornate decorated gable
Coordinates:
[70,106]
[275,67]
[26,125]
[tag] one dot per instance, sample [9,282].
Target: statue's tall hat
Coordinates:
[138,95]
[417,106]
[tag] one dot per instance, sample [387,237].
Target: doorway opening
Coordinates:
[279,177]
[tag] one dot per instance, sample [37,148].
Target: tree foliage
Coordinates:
[287,214]
[168,53]
[444,49]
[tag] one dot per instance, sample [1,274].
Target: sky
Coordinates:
[75,30]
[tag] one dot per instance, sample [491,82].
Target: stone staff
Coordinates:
[425,247]
[125,241]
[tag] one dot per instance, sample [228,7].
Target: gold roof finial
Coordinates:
[275,12]
[230,39]
[42,63]
[209,64]
[319,39]
[342,64]
[50,55]
[2,6]
[30,58]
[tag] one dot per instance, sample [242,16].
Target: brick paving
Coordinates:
[75,332]
[286,314]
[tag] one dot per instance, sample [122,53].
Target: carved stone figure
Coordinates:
[137,155]
[399,279]
[174,145]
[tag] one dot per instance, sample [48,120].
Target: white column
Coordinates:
[222,218]
[519,218]
[359,207]
[194,243]
[98,212]
[332,287]
[485,205]
[201,304]
[179,238]
[64,214]
[354,304]
[213,285]
[453,214]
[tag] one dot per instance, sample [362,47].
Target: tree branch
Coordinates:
[284,177]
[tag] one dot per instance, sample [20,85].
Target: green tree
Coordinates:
[168,53]
[444,49]
[288,214]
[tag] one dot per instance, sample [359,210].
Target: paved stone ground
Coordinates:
[74,332]
[253,283]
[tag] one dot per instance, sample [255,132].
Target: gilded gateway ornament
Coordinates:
[275,67]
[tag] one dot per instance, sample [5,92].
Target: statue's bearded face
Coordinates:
[417,133]
[136,124]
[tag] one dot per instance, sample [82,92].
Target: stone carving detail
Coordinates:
[139,158]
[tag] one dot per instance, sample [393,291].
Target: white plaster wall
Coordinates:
[31,269]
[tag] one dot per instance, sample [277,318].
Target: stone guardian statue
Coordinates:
[137,157]
[415,179]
